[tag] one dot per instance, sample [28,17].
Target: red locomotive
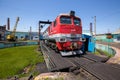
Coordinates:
[65,34]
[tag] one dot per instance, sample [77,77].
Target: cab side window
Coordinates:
[55,23]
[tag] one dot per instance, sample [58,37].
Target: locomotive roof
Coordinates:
[63,14]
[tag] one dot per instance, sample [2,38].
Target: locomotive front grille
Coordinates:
[73,35]
[74,39]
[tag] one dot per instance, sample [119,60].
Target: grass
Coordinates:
[105,53]
[14,60]
[96,52]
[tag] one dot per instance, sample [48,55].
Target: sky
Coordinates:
[107,13]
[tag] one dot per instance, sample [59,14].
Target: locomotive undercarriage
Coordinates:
[66,51]
[51,44]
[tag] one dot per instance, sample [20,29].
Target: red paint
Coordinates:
[57,27]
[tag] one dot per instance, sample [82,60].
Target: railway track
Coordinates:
[89,64]
[54,63]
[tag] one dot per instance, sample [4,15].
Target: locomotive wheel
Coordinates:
[56,50]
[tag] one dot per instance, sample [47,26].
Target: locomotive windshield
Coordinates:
[77,21]
[65,20]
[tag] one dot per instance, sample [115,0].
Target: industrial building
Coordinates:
[115,37]
[2,32]
[23,35]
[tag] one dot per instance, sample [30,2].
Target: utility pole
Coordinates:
[94,31]
[95,26]
[30,33]
[39,33]
[91,32]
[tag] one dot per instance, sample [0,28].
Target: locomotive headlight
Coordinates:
[75,44]
[62,40]
[82,39]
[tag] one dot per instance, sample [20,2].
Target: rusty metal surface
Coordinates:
[95,58]
[115,66]
[56,62]
[41,67]
[89,62]
[80,61]
[103,71]
[60,62]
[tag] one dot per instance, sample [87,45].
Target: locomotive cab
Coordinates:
[65,34]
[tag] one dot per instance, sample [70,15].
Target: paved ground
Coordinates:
[116,47]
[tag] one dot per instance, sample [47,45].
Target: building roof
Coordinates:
[117,31]
[87,32]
